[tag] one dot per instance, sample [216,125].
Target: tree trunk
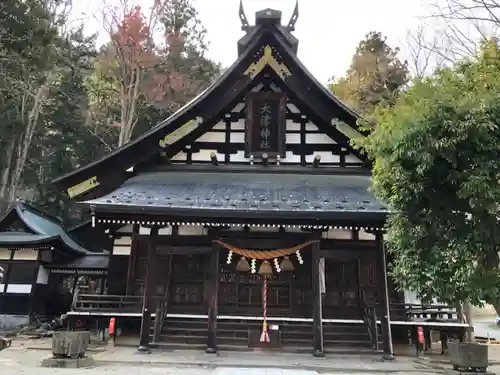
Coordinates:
[6,173]
[460,312]
[130,94]
[30,114]
[468,316]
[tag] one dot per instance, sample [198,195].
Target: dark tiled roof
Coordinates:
[41,228]
[10,238]
[268,194]
[145,146]
[44,225]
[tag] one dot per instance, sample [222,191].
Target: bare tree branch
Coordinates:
[465,25]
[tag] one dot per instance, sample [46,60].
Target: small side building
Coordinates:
[37,256]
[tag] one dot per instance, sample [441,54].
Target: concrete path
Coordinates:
[20,359]
[487,328]
[169,371]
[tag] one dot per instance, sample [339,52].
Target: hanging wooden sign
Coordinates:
[265,124]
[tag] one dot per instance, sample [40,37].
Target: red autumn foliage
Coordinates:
[163,83]
[149,57]
[133,40]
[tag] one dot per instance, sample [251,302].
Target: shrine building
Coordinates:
[245,219]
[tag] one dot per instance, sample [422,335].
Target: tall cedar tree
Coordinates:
[27,62]
[375,78]
[65,141]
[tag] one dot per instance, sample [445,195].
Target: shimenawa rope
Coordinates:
[263,254]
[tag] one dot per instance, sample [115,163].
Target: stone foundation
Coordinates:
[455,372]
[68,362]
[8,322]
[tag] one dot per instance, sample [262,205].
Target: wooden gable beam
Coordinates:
[232,97]
[298,93]
[326,99]
[203,110]
[300,87]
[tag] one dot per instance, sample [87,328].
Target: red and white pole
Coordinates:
[264,337]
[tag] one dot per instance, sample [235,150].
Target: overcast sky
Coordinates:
[328,30]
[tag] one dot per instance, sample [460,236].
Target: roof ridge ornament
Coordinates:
[293,19]
[245,26]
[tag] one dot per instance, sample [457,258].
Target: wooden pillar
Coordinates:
[147,305]
[316,295]
[384,300]
[132,260]
[213,291]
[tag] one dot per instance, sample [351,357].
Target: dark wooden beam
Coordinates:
[210,105]
[282,169]
[316,295]
[215,108]
[227,136]
[314,102]
[212,300]
[148,307]
[134,250]
[325,101]
[183,250]
[303,125]
[384,299]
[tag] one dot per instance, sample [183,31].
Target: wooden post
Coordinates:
[316,295]
[384,300]
[132,260]
[213,292]
[147,306]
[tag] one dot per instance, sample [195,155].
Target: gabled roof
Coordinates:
[43,229]
[214,195]
[268,48]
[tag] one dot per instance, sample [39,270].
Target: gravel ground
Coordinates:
[25,355]
[164,371]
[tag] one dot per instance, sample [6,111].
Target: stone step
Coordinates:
[193,333]
[236,324]
[244,348]
[202,340]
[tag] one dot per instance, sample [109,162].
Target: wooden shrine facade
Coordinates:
[260,161]
[182,273]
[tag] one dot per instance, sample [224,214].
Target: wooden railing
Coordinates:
[105,303]
[108,303]
[431,311]
[370,319]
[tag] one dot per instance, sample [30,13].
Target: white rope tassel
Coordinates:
[253,266]
[277,265]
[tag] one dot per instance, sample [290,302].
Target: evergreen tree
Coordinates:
[437,163]
[375,78]
[65,140]
[28,30]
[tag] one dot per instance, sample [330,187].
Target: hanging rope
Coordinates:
[264,337]
[263,254]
